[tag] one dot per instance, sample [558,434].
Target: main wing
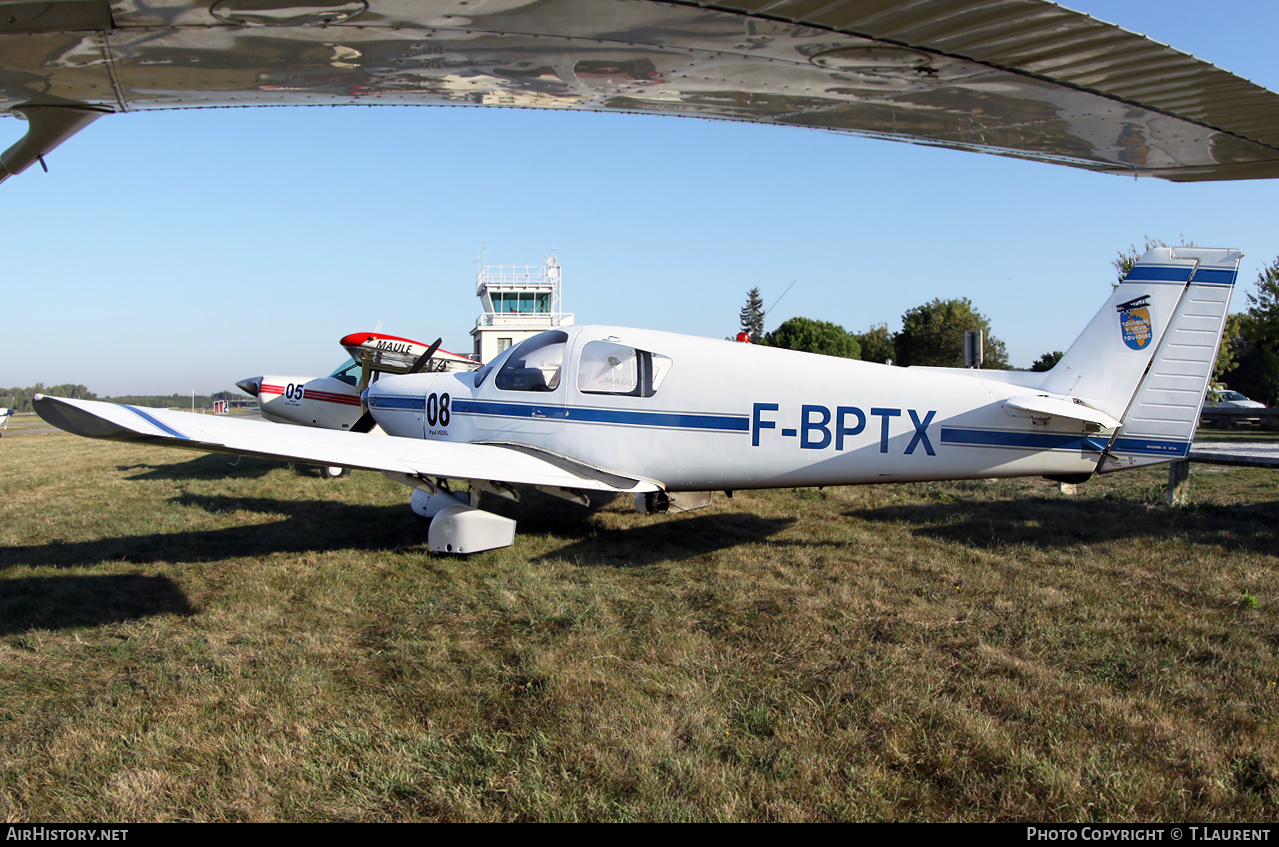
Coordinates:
[408,456]
[1024,78]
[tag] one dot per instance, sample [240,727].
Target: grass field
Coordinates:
[186,639]
[24,421]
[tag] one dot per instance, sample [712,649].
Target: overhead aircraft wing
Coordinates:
[409,456]
[1024,78]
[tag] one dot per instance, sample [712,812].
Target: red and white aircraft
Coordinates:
[333,401]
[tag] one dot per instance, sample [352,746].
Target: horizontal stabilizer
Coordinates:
[370,451]
[1048,406]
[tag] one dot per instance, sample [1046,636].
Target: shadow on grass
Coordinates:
[668,539]
[1045,523]
[61,602]
[215,466]
[306,526]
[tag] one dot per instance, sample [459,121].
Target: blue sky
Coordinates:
[182,250]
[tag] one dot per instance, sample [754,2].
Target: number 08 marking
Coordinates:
[437,409]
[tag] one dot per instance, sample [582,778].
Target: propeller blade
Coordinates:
[426,357]
[364,424]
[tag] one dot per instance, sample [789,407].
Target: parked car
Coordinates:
[1228,400]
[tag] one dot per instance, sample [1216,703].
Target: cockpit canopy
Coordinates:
[348,372]
[535,364]
[604,366]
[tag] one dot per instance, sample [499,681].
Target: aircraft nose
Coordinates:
[252,385]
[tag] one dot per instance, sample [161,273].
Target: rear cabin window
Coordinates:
[534,365]
[607,367]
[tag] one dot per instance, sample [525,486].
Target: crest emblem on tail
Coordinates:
[1134,322]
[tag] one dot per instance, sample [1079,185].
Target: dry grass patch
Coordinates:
[185,639]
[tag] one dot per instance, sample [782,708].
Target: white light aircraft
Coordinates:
[670,418]
[5,414]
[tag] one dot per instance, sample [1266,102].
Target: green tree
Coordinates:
[1248,372]
[933,334]
[1125,259]
[1046,361]
[752,316]
[877,344]
[1231,346]
[19,399]
[1261,327]
[814,336]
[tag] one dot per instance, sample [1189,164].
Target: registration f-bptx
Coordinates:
[670,418]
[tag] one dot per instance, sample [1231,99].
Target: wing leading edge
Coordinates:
[408,456]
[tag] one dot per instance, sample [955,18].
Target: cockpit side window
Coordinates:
[607,367]
[349,372]
[535,364]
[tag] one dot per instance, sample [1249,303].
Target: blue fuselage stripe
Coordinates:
[155,423]
[673,420]
[1028,440]
[733,423]
[1050,441]
[391,401]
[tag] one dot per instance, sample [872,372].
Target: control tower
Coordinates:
[519,301]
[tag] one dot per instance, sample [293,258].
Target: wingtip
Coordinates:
[67,416]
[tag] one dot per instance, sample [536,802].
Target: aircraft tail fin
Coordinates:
[1147,357]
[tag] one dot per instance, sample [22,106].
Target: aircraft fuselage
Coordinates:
[701,414]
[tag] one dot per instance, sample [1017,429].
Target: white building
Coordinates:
[519,301]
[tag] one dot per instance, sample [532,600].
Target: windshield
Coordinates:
[534,365]
[349,372]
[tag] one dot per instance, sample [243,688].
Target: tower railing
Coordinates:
[522,320]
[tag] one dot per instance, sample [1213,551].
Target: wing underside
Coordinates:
[406,456]
[1023,78]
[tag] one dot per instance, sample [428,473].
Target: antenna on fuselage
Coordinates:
[780,296]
